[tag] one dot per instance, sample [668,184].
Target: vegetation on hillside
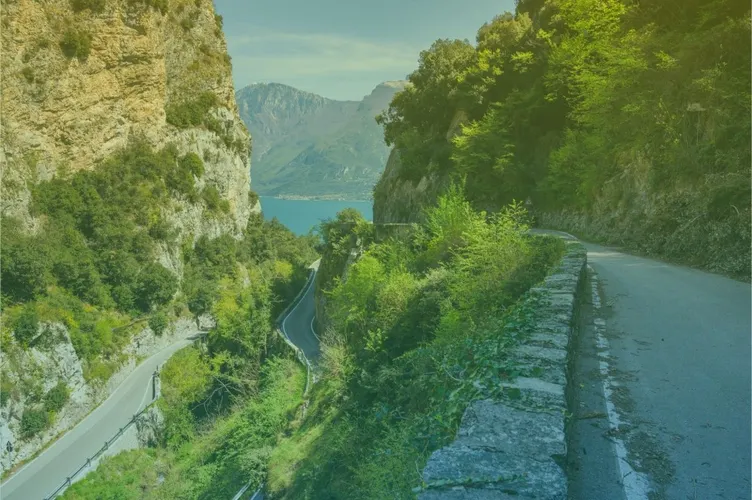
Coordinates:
[203,454]
[627,120]
[307,145]
[419,327]
[93,267]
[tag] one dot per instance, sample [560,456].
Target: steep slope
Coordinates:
[634,131]
[309,146]
[121,147]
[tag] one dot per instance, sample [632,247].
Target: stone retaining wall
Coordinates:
[516,448]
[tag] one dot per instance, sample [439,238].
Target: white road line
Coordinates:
[313,329]
[95,411]
[308,289]
[635,484]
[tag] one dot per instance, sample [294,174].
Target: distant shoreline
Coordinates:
[311,198]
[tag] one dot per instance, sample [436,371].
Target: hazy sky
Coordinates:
[338,48]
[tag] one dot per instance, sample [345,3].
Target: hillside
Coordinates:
[309,146]
[126,206]
[626,123]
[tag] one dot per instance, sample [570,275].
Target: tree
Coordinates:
[156,286]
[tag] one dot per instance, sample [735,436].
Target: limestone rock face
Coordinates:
[62,110]
[399,198]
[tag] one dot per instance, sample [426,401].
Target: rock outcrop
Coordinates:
[81,78]
[400,197]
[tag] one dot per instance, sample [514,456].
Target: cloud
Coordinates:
[278,56]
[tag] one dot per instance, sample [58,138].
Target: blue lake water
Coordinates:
[302,215]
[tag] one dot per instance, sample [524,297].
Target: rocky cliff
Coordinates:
[308,146]
[82,77]
[400,195]
[81,80]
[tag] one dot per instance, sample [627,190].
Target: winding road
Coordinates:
[662,383]
[44,474]
[298,325]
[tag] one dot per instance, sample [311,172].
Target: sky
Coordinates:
[342,49]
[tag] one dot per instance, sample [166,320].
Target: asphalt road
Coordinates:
[44,474]
[663,378]
[298,325]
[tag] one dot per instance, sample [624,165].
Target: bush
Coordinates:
[33,422]
[158,323]
[191,113]
[191,163]
[253,198]
[96,6]
[55,399]
[28,74]
[26,327]
[76,44]
[24,263]
[157,285]
[211,197]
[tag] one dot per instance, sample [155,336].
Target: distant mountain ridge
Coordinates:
[308,146]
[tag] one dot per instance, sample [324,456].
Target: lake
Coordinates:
[302,215]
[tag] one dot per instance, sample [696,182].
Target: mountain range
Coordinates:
[308,146]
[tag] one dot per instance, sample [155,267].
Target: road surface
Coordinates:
[298,324]
[662,383]
[43,475]
[298,327]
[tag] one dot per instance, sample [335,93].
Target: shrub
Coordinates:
[24,263]
[76,44]
[158,323]
[192,112]
[55,399]
[96,6]
[33,422]
[28,74]
[253,198]
[156,286]
[26,327]
[190,162]
[211,198]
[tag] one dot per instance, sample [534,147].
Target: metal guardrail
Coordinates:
[107,444]
[279,327]
[69,480]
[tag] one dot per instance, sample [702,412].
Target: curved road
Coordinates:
[662,381]
[43,475]
[298,324]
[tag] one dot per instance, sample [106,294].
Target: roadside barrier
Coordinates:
[69,480]
[310,378]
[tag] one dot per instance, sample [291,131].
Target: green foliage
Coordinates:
[232,450]
[76,43]
[421,326]
[56,398]
[26,326]
[24,263]
[155,287]
[191,112]
[210,195]
[605,112]
[158,322]
[95,6]
[33,422]
[28,74]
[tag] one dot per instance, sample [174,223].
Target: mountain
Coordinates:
[305,145]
